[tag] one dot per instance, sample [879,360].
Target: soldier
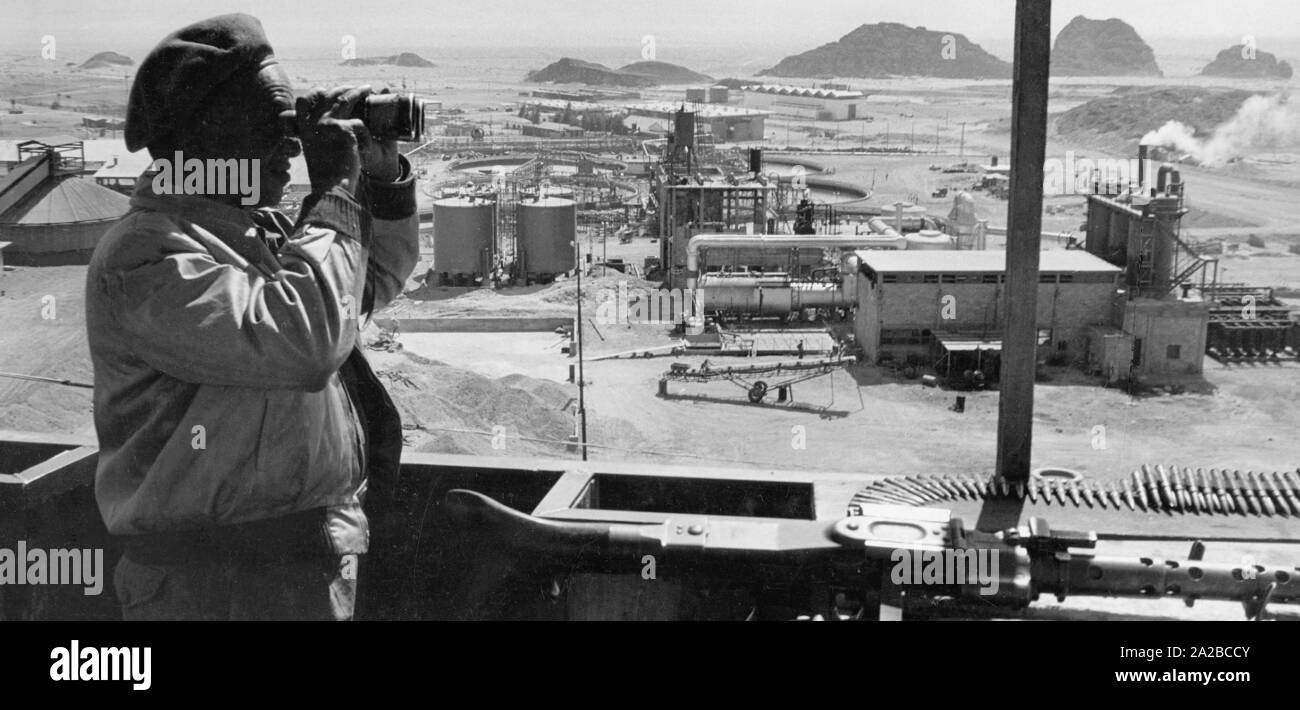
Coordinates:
[237,419]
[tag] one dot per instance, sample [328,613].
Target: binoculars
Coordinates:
[386,116]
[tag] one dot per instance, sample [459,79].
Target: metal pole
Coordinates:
[1024,236]
[582,380]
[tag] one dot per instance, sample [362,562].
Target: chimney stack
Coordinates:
[1142,167]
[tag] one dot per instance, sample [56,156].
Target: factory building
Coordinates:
[1160,333]
[708,95]
[726,124]
[946,306]
[802,102]
[551,130]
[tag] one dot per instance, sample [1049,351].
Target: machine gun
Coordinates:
[842,569]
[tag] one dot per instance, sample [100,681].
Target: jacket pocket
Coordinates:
[137,584]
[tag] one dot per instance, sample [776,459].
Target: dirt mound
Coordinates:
[1238,61]
[1102,48]
[893,49]
[449,410]
[107,60]
[552,300]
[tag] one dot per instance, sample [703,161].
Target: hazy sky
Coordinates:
[130,25]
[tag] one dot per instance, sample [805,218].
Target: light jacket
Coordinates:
[228,383]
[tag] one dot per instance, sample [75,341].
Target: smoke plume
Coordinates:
[1262,123]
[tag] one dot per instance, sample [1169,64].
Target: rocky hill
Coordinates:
[1120,120]
[575,71]
[1237,63]
[893,49]
[104,60]
[405,59]
[667,73]
[1102,48]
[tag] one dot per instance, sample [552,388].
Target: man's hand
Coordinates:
[330,137]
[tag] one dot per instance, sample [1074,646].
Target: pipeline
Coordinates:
[735,241]
[773,295]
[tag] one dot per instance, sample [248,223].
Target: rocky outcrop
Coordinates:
[1102,48]
[666,73]
[1237,62]
[1127,114]
[893,49]
[104,60]
[575,71]
[405,59]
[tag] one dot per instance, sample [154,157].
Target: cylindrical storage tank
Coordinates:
[746,294]
[546,230]
[929,239]
[464,235]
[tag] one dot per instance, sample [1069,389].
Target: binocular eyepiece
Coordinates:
[386,116]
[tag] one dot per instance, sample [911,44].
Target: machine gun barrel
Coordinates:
[1089,575]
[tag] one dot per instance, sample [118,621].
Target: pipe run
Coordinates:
[765,295]
[772,241]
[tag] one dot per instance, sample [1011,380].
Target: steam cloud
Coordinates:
[1262,123]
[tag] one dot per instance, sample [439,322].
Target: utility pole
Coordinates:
[961,153]
[1029,89]
[911,146]
[582,380]
[886,134]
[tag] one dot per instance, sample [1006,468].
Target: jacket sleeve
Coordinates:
[215,313]
[395,248]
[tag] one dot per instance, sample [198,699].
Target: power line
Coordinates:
[51,380]
[604,446]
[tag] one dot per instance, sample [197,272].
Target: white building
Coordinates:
[815,104]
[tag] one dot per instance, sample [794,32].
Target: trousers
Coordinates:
[284,569]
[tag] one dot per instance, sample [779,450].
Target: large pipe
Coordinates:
[1029,92]
[768,295]
[880,226]
[767,241]
[779,295]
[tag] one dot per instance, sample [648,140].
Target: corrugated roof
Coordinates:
[56,140]
[71,200]
[664,108]
[949,262]
[787,90]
